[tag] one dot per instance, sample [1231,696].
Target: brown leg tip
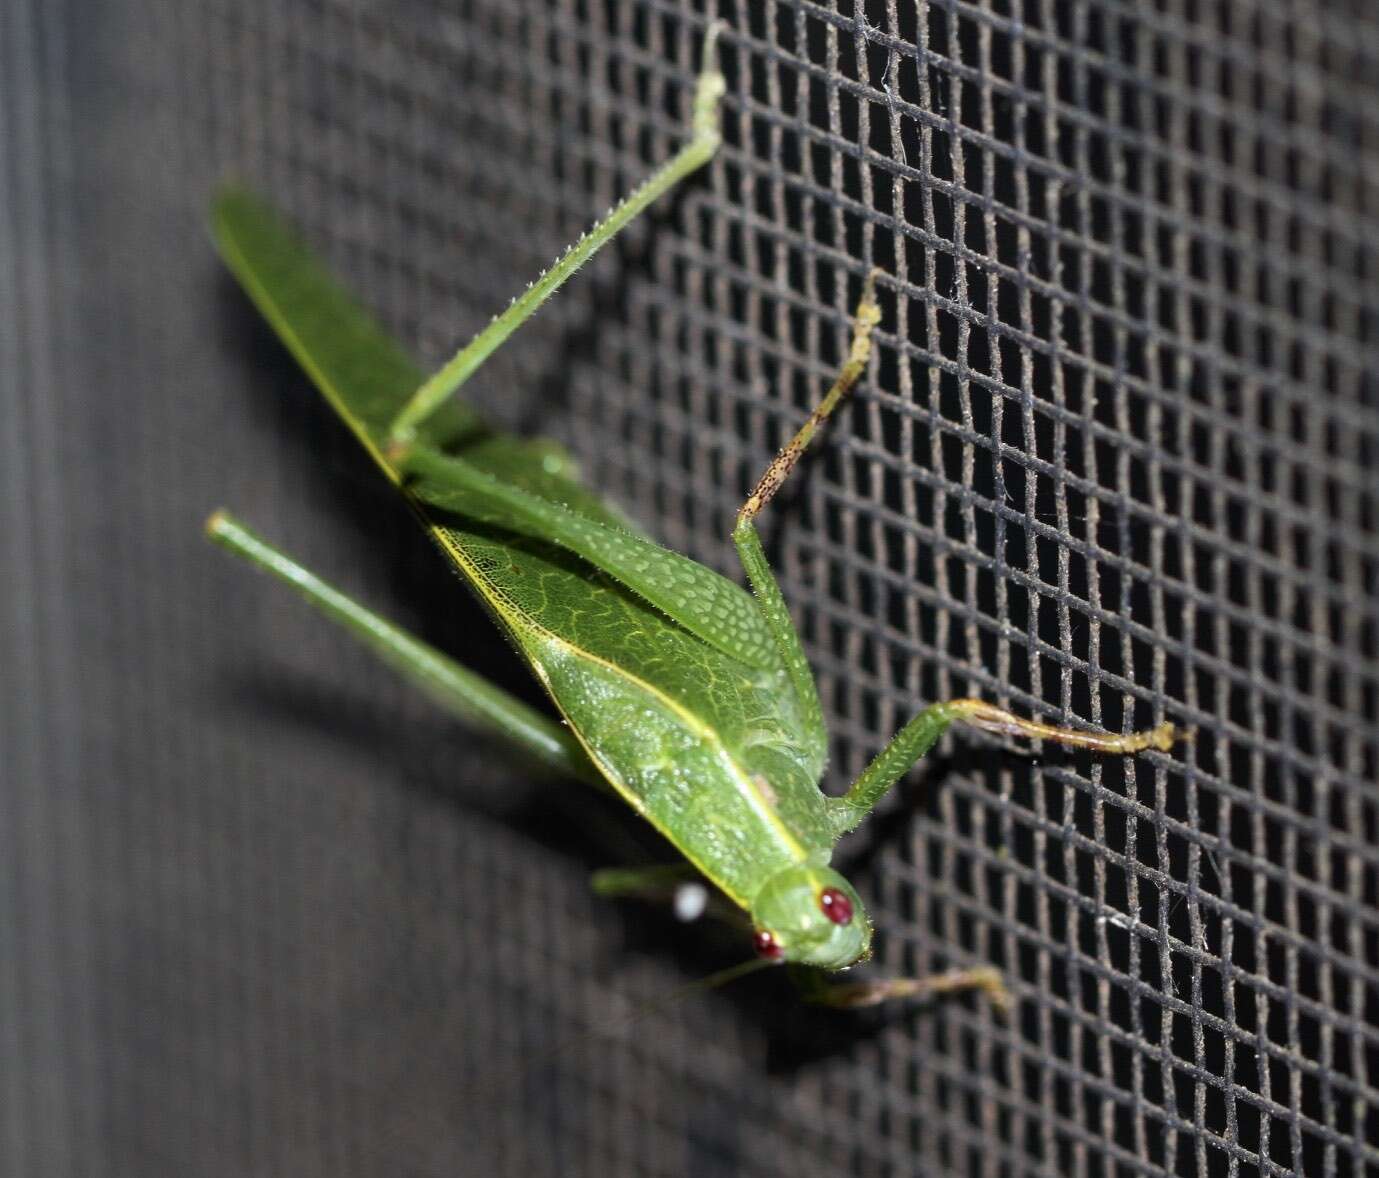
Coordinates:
[1167,734]
[216,522]
[991,984]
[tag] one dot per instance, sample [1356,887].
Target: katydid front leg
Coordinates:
[679,885]
[910,744]
[815,988]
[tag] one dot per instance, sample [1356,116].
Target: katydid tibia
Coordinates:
[684,693]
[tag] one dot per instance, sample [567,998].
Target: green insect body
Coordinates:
[688,695]
[699,724]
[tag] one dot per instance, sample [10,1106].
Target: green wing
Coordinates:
[663,669]
[357,366]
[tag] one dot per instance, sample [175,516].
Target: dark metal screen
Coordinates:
[263,912]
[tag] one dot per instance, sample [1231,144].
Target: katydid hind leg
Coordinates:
[704,140]
[913,741]
[710,606]
[463,692]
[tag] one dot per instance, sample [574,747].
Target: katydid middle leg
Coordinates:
[911,743]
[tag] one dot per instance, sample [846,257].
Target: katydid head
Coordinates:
[810,916]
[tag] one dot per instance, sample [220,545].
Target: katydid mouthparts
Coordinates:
[687,695]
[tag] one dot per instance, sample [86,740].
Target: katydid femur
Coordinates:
[689,696]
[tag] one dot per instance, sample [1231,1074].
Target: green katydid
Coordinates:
[684,693]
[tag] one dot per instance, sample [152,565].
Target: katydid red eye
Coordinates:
[835,905]
[767,946]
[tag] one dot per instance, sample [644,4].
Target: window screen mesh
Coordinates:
[262,911]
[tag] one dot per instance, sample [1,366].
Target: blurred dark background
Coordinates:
[263,911]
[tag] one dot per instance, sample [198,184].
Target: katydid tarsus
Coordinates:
[684,693]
